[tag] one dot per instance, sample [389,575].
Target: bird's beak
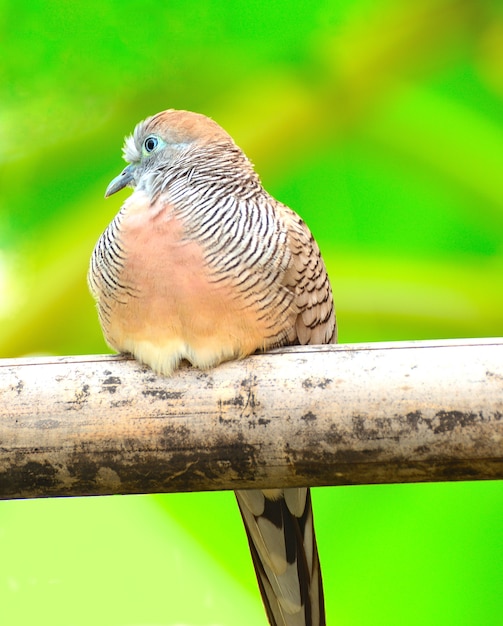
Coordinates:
[120,181]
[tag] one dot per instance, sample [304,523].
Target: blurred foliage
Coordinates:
[381,123]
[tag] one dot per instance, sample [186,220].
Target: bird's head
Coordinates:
[159,141]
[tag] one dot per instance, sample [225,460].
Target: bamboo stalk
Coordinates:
[317,415]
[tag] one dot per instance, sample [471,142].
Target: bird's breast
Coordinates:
[169,302]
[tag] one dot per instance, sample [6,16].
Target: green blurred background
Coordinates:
[381,123]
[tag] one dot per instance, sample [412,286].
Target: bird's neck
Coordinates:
[215,171]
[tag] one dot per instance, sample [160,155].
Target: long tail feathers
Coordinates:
[279,525]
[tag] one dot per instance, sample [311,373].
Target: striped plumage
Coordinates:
[201,263]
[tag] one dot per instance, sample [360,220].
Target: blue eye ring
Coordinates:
[150,143]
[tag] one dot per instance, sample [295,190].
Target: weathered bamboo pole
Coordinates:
[328,415]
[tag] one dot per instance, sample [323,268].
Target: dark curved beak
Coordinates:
[122,180]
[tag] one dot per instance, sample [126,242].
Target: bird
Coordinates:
[202,265]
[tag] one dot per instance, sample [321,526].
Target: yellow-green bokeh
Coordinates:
[381,123]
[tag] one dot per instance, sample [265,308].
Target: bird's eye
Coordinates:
[150,144]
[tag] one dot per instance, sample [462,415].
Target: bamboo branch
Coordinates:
[319,415]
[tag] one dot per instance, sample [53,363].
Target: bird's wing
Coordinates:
[307,275]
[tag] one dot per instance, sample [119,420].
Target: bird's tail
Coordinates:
[279,525]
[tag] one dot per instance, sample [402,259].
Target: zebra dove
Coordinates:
[202,264]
